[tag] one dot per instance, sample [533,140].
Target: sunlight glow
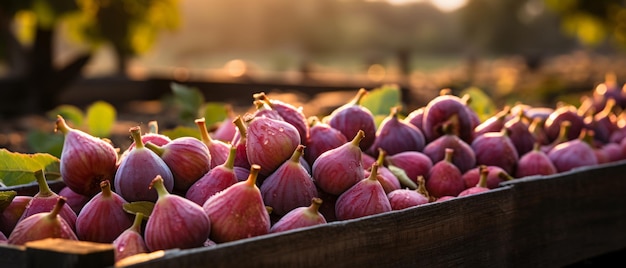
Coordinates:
[443,5]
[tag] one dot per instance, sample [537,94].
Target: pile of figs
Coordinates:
[275,169]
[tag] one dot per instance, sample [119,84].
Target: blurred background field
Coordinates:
[313,53]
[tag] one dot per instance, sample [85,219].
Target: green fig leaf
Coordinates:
[100,118]
[70,113]
[214,112]
[182,131]
[145,207]
[6,197]
[19,168]
[380,100]
[45,142]
[405,181]
[189,100]
[480,102]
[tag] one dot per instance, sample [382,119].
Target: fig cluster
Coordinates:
[275,169]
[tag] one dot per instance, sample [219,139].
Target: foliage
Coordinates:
[18,168]
[191,105]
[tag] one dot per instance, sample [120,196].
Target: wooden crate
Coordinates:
[539,221]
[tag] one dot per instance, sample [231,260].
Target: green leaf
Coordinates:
[6,197]
[405,181]
[70,113]
[145,207]
[189,100]
[380,100]
[182,131]
[214,112]
[45,142]
[100,118]
[18,168]
[480,102]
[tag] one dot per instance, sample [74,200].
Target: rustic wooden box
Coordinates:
[539,221]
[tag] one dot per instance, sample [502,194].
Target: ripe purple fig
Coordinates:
[603,123]
[539,133]
[564,113]
[406,198]
[103,218]
[187,158]
[239,141]
[535,162]
[574,153]
[289,187]
[226,130]
[481,186]
[496,149]
[43,225]
[238,212]
[338,169]
[389,181]
[263,109]
[464,157]
[352,117]
[495,176]
[447,109]
[138,169]
[445,178]
[215,180]
[396,136]
[416,118]
[11,214]
[45,200]
[85,160]
[367,197]
[414,164]
[519,132]
[563,137]
[218,149]
[75,200]
[613,151]
[175,222]
[495,123]
[289,113]
[270,135]
[152,136]
[300,217]
[130,242]
[322,137]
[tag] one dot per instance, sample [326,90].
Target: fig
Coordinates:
[85,160]
[270,135]
[563,137]
[539,133]
[464,156]
[447,109]
[215,180]
[300,217]
[574,153]
[130,242]
[367,197]
[239,141]
[43,225]
[445,178]
[414,164]
[603,123]
[218,150]
[406,198]
[226,130]
[338,169]
[103,218]
[535,162]
[289,113]
[152,136]
[613,151]
[13,212]
[187,158]
[322,137]
[175,222]
[565,112]
[396,136]
[481,186]
[519,132]
[389,180]
[416,118]
[496,149]
[75,200]
[239,211]
[138,169]
[352,117]
[495,176]
[289,187]
[45,200]
[494,123]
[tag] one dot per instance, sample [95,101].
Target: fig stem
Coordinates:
[421,187]
[241,127]
[295,157]
[159,150]
[204,132]
[254,173]
[484,173]
[135,133]
[44,189]
[374,172]
[359,96]
[57,208]
[358,137]
[232,154]
[157,183]
[449,153]
[316,202]
[105,187]
[61,125]
[137,222]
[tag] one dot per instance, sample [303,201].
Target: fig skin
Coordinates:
[406,198]
[519,133]
[138,169]
[270,135]
[218,150]
[289,187]
[300,217]
[336,170]
[447,109]
[445,178]
[535,162]
[387,179]
[414,164]
[396,136]
[416,118]
[226,130]
[322,137]
[130,242]
[574,153]
[238,212]
[496,149]
[464,156]
[481,186]
[103,218]
[239,141]
[187,158]
[175,222]
[85,160]
[289,113]
[352,117]
[495,123]
[43,225]
[565,112]
[365,198]
[75,200]
[495,176]
[12,213]
[215,180]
